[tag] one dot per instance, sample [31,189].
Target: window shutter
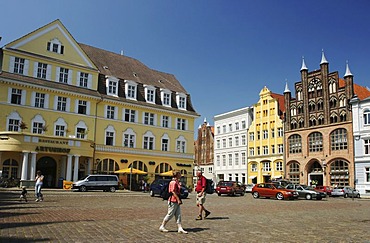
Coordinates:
[89,81]
[35,67]
[57,74]
[88,108]
[11,64]
[33,95]
[61,49]
[26,67]
[78,78]
[68,108]
[48,46]
[48,72]
[69,76]
[46,105]
[23,98]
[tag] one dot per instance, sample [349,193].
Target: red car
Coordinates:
[327,189]
[273,190]
[230,188]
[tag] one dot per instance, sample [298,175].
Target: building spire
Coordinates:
[323,58]
[348,72]
[286,87]
[304,67]
[205,120]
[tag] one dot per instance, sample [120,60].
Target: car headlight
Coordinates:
[288,193]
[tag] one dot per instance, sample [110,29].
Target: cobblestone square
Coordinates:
[124,216]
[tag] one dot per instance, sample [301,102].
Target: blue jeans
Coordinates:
[38,193]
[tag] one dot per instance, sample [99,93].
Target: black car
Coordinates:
[157,185]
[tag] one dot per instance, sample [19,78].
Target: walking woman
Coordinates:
[174,203]
[39,181]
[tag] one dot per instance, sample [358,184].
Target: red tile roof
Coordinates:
[280,99]
[360,91]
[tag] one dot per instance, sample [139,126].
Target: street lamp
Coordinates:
[130,176]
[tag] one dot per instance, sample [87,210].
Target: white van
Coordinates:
[97,182]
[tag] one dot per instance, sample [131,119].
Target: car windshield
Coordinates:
[226,183]
[308,187]
[278,186]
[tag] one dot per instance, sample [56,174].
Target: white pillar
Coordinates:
[63,167]
[25,166]
[33,166]
[69,168]
[89,165]
[76,167]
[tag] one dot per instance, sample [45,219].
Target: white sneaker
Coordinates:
[182,231]
[163,229]
[37,200]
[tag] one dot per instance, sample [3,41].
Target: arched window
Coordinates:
[311,106]
[333,118]
[10,168]
[333,102]
[343,116]
[129,138]
[338,139]
[293,111]
[81,130]
[320,119]
[13,121]
[140,165]
[163,167]
[38,124]
[149,141]
[320,105]
[315,142]
[332,86]
[60,128]
[295,144]
[312,121]
[294,172]
[342,101]
[301,123]
[110,136]
[107,166]
[293,124]
[339,174]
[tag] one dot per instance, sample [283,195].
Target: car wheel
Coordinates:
[308,196]
[83,189]
[346,195]
[112,189]
[219,194]
[358,195]
[242,194]
[256,195]
[279,196]
[233,194]
[151,193]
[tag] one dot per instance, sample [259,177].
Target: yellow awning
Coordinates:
[131,171]
[168,173]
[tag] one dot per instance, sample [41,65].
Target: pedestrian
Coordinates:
[39,181]
[174,203]
[201,195]
[23,194]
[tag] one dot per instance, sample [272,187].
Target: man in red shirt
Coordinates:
[201,195]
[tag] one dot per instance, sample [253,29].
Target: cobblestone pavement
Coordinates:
[123,216]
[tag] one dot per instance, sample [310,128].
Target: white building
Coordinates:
[361,133]
[230,148]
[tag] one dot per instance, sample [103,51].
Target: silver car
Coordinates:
[306,192]
[248,188]
[337,192]
[350,192]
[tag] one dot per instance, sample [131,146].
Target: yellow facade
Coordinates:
[54,115]
[265,143]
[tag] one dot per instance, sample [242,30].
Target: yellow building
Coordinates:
[69,109]
[266,137]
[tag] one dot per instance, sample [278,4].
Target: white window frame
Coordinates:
[149,92]
[129,138]
[39,121]
[181,124]
[181,145]
[60,128]
[149,141]
[109,132]
[129,115]
[149,118]
[38,98]
[131,90]
[111,112]
[84,80]
[165,146]
[55,46]
[111,84]
[166,121]
[13,121]
[166,97]
[181,100]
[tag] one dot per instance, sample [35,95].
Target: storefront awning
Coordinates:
[277,177]
[252,177]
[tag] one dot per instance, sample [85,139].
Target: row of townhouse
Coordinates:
[319,136]
[70,109]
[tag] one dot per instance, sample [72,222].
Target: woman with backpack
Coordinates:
[174,203]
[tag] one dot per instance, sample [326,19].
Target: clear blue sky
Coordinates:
[223,52]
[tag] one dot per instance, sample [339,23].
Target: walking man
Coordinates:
[201,195]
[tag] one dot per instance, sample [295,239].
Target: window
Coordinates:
[110,112]
[230,156]
[243,140]
[55,46]
[272,133]
[243,158]
[165,121]
[339,139]
[63,75]
[367,146]
[265,134]
[218,130]
[41,70]
[236,126]
[272,149]
[265,150]
[258,151]
[166,97]
[19,65]
[129,140]
[148,141]
[181,100]
[230,127]
[230,142]
[218,143]
[224,160]
[40,100]
[180,146]
[60,130]
[266,166]
[164,144]
[236,141]
[258,135]
[280,148]
[82,107]
[218,160]
[109,138]
[10,168]
[16,96]
[280,132]
[315,142]
[83,79]
[37,127]
[279,166]
[81,132]
[253,167]
[224,143]
[224,128]
[112,85]
[251,151]
[244,125]
[367,117]
[130,115]
[13,125]
[294,172]
[339,173]
[251,136]
[181,124]
[61,103]
[150,95]
[367,174]
[148,118]
[295,144]
[130,89]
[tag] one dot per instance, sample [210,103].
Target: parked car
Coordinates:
[248,188]
[350,192]
[337,192]
[326,189]
[306,192]
[230,188]
[269,190]
[157,185]
[281,182]
[97,182]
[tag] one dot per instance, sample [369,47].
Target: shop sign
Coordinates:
[52,149]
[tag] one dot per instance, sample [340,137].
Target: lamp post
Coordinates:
[130,176]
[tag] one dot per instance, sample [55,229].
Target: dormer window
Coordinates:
[181,101]
[112,86]
[130,89]
[55,46]
[166,97]
[149,93]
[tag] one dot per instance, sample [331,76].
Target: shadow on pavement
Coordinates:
[17,239]
[217,218]
[195,229]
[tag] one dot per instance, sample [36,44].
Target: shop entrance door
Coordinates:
[48,168]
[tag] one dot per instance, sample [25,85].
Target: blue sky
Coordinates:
[223,52]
